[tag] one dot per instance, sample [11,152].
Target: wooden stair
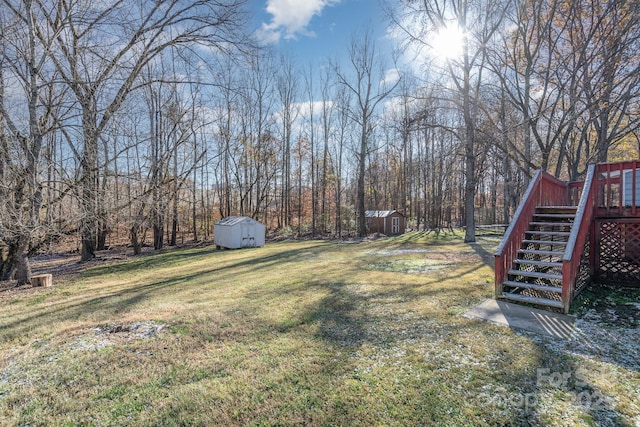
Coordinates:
[536,275]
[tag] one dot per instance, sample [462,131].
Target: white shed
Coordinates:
[235,232]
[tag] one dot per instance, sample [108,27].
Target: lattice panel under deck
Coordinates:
[619,252]
[584,271]
[541,294]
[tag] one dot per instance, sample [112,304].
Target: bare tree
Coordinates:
[604,39]
[570,69]
[326,164]
[369,86]
[523,63]
[311,137]
[23,129]
[226,102]
[287,85]
[478,22]
[102,48]
[343,102]
[259,149]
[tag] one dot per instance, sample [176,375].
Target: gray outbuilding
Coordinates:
[235,232]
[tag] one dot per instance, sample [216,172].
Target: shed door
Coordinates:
[247,237]
[395,225]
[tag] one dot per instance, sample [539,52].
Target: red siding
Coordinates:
[384,225]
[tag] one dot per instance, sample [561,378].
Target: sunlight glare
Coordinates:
[448,42]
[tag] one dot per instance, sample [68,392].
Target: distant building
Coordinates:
[385,222]
[235,232]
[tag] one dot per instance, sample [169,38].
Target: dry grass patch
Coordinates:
[308,333]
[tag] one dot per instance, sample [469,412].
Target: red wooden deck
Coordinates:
[616,227]
[603,244]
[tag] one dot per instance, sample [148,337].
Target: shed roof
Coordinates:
[233,220]
[380,214]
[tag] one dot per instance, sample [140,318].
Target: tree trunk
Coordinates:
[89,226]
[362,226]
[136,242]
[174,212]
[158,234]
[23,267]
[102,232]
[7,260]
[469,194]
[470,159]
[88,250]
[103,228]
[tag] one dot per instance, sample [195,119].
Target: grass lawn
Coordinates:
[305,333]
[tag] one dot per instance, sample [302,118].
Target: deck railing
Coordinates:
[575,191]
[617,189]
[610,190]
[582,225]
[544,190]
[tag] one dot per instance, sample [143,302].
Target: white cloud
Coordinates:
[391,76]
[291,17]
[394,106]
[268,35]
[304,108]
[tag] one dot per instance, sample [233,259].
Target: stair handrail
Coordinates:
[577,239]
[512,241]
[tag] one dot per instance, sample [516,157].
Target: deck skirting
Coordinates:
[618,251]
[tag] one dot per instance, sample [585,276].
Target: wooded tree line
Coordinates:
[144,122]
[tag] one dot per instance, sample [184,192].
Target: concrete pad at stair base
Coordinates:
[520,317]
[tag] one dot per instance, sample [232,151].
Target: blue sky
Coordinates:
[316,30]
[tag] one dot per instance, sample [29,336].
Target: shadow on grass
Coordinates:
[151,261]
[119,301]
[345,320]
[349,318]
[430,237]
[518,389]
[258,258]
[487,257]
